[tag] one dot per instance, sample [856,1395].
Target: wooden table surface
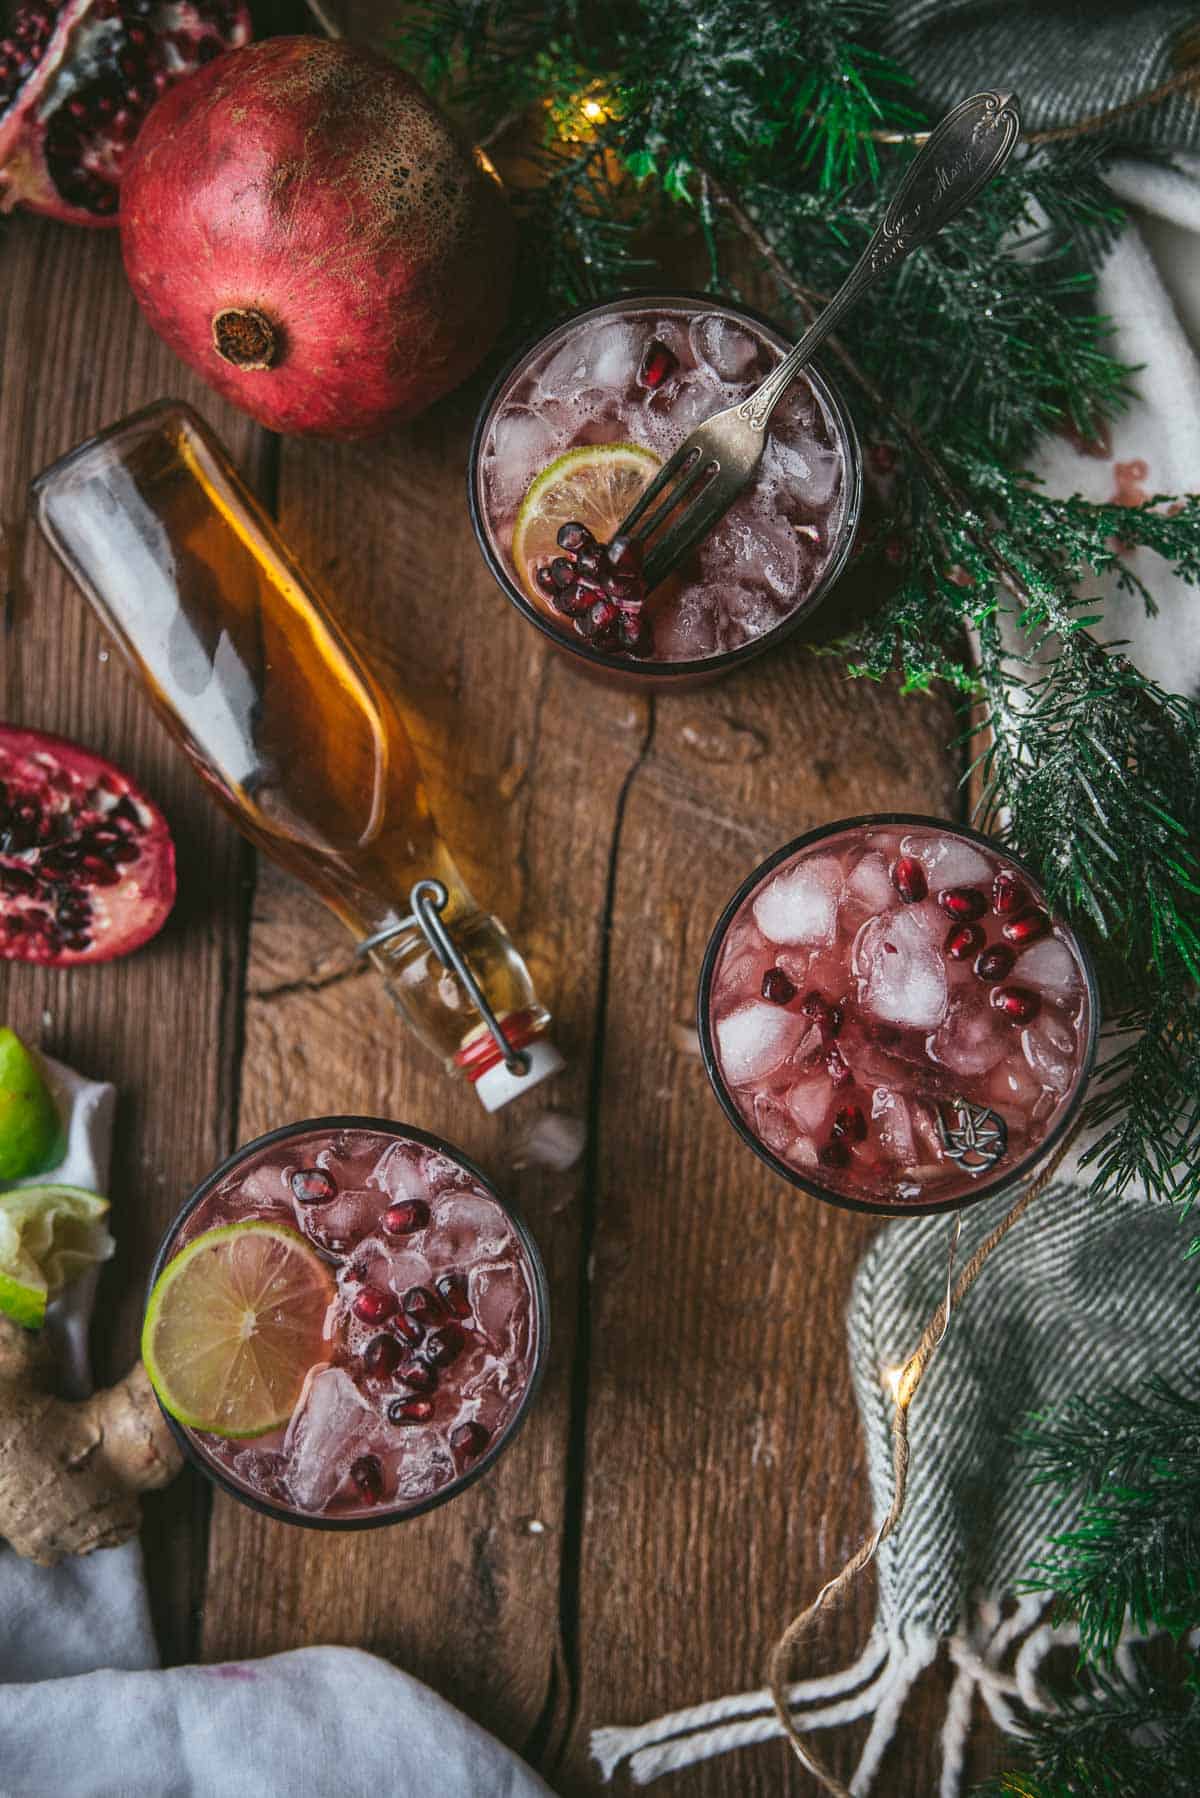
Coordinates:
[693,1469]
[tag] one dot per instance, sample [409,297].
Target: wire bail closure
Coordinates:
[428,900]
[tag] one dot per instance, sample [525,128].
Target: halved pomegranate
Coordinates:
[87,865]
[77,78]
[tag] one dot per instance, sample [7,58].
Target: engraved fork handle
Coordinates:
[959,157]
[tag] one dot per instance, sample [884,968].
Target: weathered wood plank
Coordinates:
[74,356]
[524,767]
[724,1476]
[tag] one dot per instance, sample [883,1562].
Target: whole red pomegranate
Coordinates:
[77,78]
[303,227]
[87,865]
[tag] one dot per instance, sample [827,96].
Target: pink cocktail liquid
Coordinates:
[649,376]
[888,992]
[435,1332]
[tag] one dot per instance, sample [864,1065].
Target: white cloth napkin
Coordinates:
[83,1714]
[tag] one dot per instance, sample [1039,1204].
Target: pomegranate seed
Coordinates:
[382,1356]
[994,964]
[445,1345]
[312,1185]
[964,903]
[1026,927]
[837,1067]
[657,363]
[1017,1003]
[421,1378]
[599,619]
[419,1302]
[373,1304]
[636,634]
[834,1153]
[627,589]
[408,1328]
[850,1124]
[827,1017]
[590,561]
[453,1289]
[574,600]
[545,579]
[573,537]
[410,1410]
[405,1217]
[625,555]
[777,987]
[469,1440]
[963,940]
[367,1475]
[908,878]
[1008,893]
[562,571]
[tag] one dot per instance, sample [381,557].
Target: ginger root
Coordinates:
[70,1473]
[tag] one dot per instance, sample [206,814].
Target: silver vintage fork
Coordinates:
[717,460]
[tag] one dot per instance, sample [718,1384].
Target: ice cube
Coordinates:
[690,403]
[772,1123]
[398,1173]
[1011,1087]
[801,905]
[971,1040]
[341,1225]
[601,356]
[949,862]
[727,349]
[807,472]
[1049,1049]
[901,974]
[522,445]
[895,1125]
[1050,966]
[425,1464]
[329,1425]
[871,882]
[465,1227]
[753,553]
[802,1152]
[755,1039]
[808,1101]
[500,1300]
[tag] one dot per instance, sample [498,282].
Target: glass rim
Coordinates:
[986,1188]
[541,1292]
[649,669]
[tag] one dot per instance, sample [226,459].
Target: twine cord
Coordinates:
[905,1391]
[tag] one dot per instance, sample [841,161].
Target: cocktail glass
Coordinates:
[480,1289]
[892,1020]
[646,370]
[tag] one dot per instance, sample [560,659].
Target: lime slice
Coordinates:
[595,485]
[29,1126]
[49,1235]
[234,1323]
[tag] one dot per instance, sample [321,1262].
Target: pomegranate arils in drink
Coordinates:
[573,537]
[908,878]
[373,1305]
[367,1475]
[410,1410]
[777,987]
[543,574]
[591,563]
[964,903]
[424,1305]
[1017,1003]
[419,1376]
[838,1068]
[657,363]
[469,1440]
[1008,893]
[382,1356]
[1026,927]
[452,1288]
[445,1345]
[312,1186]
[995,964]
[635,634]
[827,1017]
[850,1124]
[562,572]
[625,555]
[574,599]
[963,941]
[408,1328]
[406,1217]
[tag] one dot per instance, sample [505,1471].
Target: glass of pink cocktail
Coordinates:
[641,373]
[891,1018]
[436,1330]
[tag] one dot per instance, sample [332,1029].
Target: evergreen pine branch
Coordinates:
[1133,1459]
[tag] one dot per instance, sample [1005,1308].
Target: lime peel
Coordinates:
[49,1236]
[596,484]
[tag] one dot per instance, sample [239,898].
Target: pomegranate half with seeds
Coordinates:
[77,78]
[87,865]
[302,226]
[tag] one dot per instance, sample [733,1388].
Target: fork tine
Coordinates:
[666,473]
[676,494]
[687,531]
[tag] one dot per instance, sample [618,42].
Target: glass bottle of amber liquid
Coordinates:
[287,727]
